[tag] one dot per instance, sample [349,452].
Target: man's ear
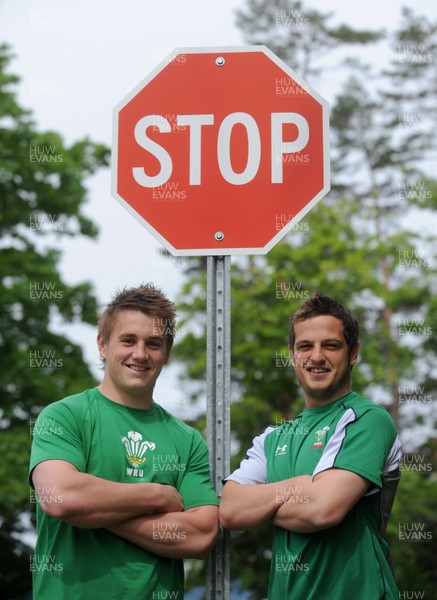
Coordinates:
[354,354]
[101,347]
[167,358]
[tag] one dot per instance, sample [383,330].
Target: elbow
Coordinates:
[58,508]
[227,517]
[205,535]
[231,519]
[205,543]
[324,518]
[52,501]
[208,541]
[233,515]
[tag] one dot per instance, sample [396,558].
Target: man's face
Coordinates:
[134,355]
[321,359]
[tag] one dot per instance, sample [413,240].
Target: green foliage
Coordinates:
[42,193]
[296,33]
[412,532]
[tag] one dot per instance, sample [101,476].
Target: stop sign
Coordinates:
[220,151]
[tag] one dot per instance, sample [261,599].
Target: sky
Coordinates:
[78,60]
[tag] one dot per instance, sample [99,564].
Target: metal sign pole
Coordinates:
[218,417]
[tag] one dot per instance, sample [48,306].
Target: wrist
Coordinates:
[151,497]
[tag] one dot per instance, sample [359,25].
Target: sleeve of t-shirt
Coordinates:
[253,467]
[57,436]
[196,488]
[368,445]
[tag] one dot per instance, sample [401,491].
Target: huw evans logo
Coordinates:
[135,451]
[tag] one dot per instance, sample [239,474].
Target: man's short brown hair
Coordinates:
[147,299]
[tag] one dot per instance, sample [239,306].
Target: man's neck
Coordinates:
[314,402]
[142,401]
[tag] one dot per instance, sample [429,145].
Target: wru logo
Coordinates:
[135,448]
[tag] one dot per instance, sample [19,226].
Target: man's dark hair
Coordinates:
[147,299]
[318,305]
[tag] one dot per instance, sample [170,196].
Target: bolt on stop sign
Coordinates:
[221,151]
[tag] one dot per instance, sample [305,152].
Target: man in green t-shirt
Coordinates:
[327,478]
[123,487]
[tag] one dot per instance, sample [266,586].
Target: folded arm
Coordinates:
[91,502]
[323,502]
[187,534]
[244,506]
[300,504]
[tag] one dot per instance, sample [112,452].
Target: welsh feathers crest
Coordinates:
[135,448]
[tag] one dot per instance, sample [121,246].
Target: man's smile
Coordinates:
[139,368]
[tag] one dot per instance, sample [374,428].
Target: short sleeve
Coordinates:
[367,445]
[195,487]
[57,436]
[253,467]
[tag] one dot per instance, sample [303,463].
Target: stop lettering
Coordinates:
[220,151]
[278,146]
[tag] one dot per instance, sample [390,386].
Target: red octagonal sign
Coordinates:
[221,151]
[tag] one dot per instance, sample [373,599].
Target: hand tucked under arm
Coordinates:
[320,503]
[187,534]
[87,501]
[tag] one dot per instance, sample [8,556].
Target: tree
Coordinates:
[299,35]
[356,245]
[42,193]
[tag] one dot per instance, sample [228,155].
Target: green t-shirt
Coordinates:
[122,444]
[349,560]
